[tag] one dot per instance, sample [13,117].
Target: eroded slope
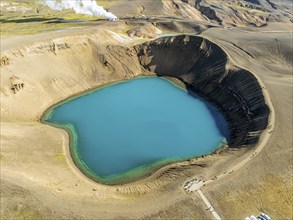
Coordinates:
[202,66]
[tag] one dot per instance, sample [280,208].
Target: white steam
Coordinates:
[86,7]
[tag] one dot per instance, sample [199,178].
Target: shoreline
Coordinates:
[146,74]
[130,176]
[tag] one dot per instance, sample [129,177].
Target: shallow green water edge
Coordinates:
[117,179]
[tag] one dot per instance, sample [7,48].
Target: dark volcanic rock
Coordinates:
[201,65]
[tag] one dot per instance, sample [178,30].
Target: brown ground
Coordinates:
[38,178]
[265,183]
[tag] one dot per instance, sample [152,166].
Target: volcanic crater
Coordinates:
[78,64]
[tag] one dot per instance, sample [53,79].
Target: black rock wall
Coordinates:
[201,65]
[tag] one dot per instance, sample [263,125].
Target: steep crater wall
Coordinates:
[35,77]
[202,67]
[59,71]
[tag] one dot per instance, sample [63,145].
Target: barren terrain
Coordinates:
[42,65]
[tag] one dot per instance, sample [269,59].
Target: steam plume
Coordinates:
[87,7]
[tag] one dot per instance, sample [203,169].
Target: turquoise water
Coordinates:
[132,125]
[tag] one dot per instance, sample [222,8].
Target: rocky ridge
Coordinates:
[202,66]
